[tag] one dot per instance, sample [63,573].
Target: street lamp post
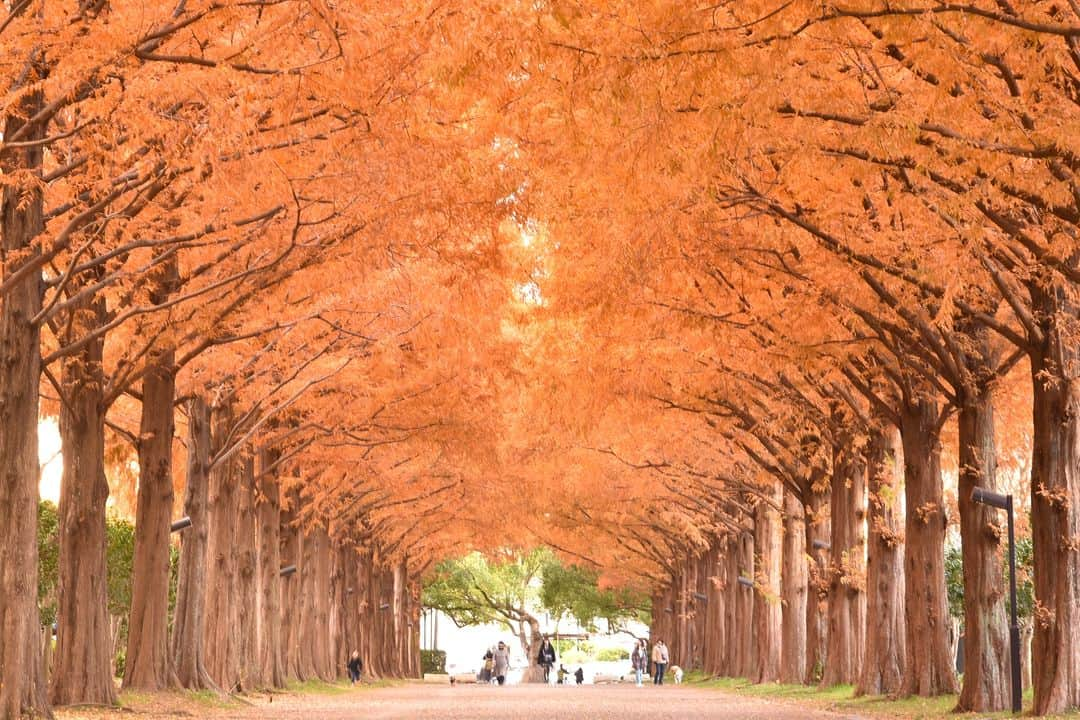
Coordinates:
[1005,502]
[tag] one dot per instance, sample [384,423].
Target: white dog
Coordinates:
[676,672]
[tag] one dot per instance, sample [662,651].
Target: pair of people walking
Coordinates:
[639,660]
[496,664]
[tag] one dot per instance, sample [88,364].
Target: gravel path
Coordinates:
[525,702]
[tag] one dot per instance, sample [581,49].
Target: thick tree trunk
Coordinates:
[768,538]
[268,523]
[733,610]
[794,583]
[883,661]
[986,684]
[221,632]
[847,567]
[147,663]
[928,669]
[1055,502]
[247,596]
[83,670]
[22,684]
[186,644]
[818,530]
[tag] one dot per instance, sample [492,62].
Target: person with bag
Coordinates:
[546,658]
[639,660]
[660,661]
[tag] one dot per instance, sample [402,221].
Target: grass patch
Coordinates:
[318,687]
[842,698]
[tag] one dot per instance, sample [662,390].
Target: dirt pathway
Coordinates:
[523,702]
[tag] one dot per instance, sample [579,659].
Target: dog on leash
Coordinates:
[676,672]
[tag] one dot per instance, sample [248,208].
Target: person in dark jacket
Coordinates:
[355,666]
[546,658]
[579,675]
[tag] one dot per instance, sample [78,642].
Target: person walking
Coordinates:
[546,658]
[355,666]
[487,670]
[660,661]
[639,660]
[502,662]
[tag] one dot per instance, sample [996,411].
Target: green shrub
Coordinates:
[433,661]
[612,654]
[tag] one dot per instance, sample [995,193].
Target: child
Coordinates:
[579,675]
[563,672]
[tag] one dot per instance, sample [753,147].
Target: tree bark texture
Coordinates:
[83,664]
[1055,501]
[818,530]
[246,571]
[745,606]
[847,571]
[271,663]
[986,682]
[186,643]
[928,669]
[883,660]
[767,627]
[22,683]
[221,630]
[794,583]
[147,663]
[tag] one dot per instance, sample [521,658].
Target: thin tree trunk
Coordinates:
[818,530]
[291,596]
[986,686]
[147,663]
[83,673]
[186,644]
[22,685]
[268,524]
[883,662]
[794,583]
[745,608]
[928,669]
[246,571]
[768,532]
[1055,502]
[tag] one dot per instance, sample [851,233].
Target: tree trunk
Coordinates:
[83,672]
[818,530]
[291,597]
[22,685]
[986,684]
[221,636]
[846,575]
[246,571]
[268,524]
[189,618]
[883,661]
[147,663]
[715,632]
[747,660]
[794,583]
[928,668]
[767,626]
[1055,501]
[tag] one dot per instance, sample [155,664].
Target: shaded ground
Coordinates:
[470,702]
